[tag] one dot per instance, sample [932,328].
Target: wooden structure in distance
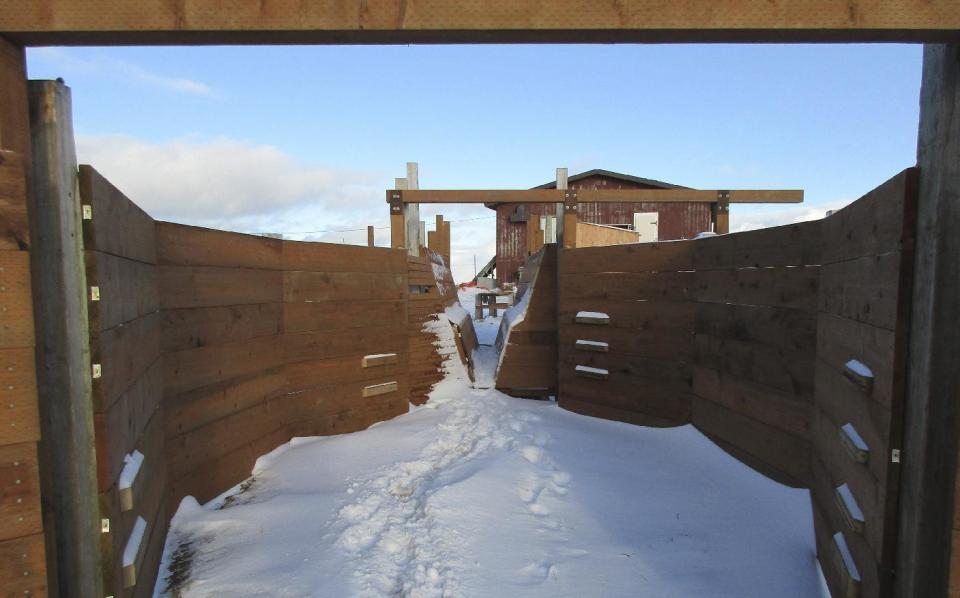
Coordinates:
[569,199]
[116,22]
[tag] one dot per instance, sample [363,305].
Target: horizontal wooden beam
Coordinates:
[494,196]
[112,22]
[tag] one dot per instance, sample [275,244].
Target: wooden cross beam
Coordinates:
[492,196]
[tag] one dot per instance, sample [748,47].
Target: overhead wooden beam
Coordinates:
[112,22]
[598,196]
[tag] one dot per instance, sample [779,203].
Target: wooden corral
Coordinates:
[529,348]
[752,338]
[927,556]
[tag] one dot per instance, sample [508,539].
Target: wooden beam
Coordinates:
[563,181]
[468,196]
[411,212]
[370,239]
[107,22]
[64,368]
[928,500]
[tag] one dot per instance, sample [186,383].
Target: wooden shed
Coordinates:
[657,221]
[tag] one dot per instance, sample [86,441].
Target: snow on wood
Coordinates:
[128,476]
[592,317]
[591,372]
[848,565]
[854,443]
[859,374]
[849,508]
[379,389]
[379,359]
[598,346]
[131,552]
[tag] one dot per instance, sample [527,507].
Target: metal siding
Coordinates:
[676,220]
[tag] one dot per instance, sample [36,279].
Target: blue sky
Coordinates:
[307,138]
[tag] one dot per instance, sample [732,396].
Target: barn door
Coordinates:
[857,420]
[646,223]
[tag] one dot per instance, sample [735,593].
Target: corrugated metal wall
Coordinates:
[677,220]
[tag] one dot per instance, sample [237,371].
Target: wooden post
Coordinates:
[446,242]
[397,221]
[567,223]
[926,565]
[558,208]
[370,239]
[722,208]
[64,372]
[411,213]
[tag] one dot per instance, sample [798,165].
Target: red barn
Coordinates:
[671,220]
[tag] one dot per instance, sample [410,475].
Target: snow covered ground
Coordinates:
[478,494]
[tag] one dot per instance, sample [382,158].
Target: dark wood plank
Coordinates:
[190,328]
[127,290]
[213,364]
[118,227]
[650,286]
[619,414]
[785,458]
[305,346]
[664,400]
[124,354]
[303,375]
[329,257]
[788,245]
[863,289]
[794,288]
[641,257]
[342,286]
[840,339]
[23,567]
[202,286]
[194,409]
[787,330]
[181,245]
[789,372]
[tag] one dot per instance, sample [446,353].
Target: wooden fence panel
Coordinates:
[860,379]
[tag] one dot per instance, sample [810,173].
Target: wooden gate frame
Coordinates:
[933,412]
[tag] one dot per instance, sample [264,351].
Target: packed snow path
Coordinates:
[478,494]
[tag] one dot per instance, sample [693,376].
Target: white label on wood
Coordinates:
[131,552]
[105,526]
[87,211]
[97,370]
[370,361]
[94,293]
[379,389]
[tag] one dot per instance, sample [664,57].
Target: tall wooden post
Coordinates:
[65,373]
[567,217]
[370,240]
[722,208]
[558,208]
[446,242]
[928,548]
[27,533]
[411,213]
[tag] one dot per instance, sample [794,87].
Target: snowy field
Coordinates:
[479,494]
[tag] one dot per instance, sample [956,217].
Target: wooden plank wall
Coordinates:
[264,339]
[863,314]
[431,291]
[755,338]
[645,289]
[598,235]
[528,367]
[23,569]
[120,256]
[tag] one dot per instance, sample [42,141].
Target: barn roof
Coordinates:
[613,175]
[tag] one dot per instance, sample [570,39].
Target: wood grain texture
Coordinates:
[182,245]
[14,228]
[119,226]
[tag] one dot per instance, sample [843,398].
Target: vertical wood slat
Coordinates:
[64,372]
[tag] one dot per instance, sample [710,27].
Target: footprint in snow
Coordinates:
[537,571]
[532,453]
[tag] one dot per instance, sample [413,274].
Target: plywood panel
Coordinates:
[16,300]
[23,566]
[18,379]
[19,491]
[15,231]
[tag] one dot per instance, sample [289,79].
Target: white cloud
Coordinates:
[69,63]
[225,180]
[744,218]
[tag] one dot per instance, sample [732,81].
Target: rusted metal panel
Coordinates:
[676,220]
